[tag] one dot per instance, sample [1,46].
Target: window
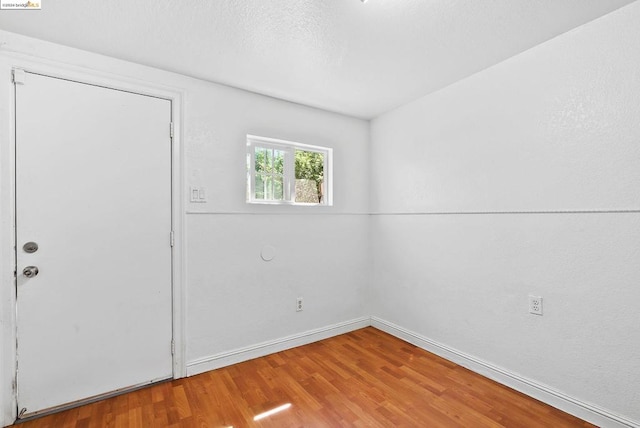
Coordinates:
[283,172]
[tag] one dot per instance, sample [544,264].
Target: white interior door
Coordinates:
[93,191]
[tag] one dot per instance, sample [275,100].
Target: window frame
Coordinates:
[289,179]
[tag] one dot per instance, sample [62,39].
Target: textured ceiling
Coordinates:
[360,59]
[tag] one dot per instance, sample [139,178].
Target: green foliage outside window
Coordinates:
[271,176]
[309,166]
[269,164]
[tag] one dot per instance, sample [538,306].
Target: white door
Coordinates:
[93,191]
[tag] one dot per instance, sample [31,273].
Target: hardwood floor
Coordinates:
[366,378]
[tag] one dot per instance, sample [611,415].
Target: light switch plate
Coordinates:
[197,194]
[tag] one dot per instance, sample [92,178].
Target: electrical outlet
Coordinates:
[298,304]
[535,305]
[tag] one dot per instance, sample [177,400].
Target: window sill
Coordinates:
[286,203]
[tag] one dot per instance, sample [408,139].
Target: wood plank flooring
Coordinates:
[366,378]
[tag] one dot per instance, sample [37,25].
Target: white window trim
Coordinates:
[289,147]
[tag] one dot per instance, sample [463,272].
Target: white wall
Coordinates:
[234,299]
[556,128]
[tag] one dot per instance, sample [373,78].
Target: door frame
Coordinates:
[8,322]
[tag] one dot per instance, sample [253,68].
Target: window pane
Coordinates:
[261,155]
[260,187]
[309,170]
[278,161]
[278,188]
[269,188]
[268,160]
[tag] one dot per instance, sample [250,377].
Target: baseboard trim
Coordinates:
[588,412]
[265,348]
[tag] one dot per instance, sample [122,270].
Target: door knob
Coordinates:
[30,271]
